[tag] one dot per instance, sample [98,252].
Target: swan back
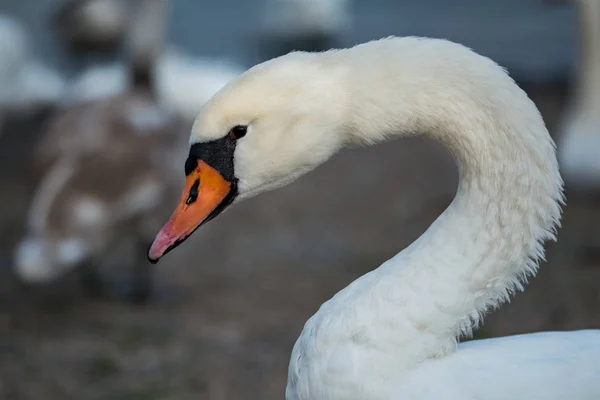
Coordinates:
[531,366]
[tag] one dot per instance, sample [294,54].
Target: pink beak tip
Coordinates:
[159,246]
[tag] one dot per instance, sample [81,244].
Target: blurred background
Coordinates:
[96,101]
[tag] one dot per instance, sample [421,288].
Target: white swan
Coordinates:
[27,84]
[393,333]
[579,136]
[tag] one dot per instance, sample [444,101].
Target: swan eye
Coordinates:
[238,131]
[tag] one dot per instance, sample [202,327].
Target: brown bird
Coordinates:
[106,173]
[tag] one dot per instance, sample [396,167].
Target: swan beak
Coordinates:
[206,194]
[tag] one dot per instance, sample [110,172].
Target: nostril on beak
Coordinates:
[193,192]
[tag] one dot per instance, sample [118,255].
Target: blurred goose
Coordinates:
[27,84]
[107,172]
[86,25]
[183,82]
[394,332]
[309,25]
[579,136]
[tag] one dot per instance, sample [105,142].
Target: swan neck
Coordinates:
[489,240]
[588,81]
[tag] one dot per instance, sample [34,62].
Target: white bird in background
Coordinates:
[394,332]
[579,132]
[183,82]
[310,25]
[92,24]
[27,84]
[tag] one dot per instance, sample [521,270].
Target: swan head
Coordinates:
[263,130]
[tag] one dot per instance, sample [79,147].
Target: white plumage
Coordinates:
[393,333]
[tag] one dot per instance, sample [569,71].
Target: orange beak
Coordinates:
[206,194]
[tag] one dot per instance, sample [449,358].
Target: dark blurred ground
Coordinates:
[239,291]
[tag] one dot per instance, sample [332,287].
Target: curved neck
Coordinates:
[489,240]
[588,81]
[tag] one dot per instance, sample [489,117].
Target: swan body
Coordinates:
[27,84]
[579,136]
[183,82]
[394,332]
[514,367]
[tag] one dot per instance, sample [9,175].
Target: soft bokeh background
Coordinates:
[234,297]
